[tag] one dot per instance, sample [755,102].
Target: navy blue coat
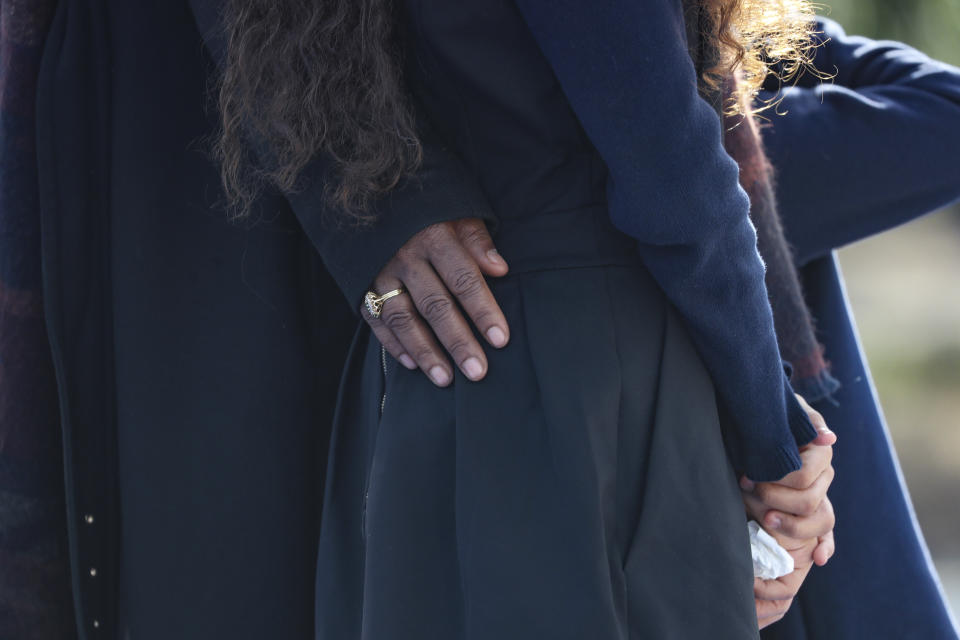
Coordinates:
[878,146]
[197,360]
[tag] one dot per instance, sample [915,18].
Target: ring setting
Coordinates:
[374,303]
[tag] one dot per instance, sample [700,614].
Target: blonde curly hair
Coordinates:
[757,38]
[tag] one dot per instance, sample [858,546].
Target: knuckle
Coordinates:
[805,477]
[791,527]
[466,282]
[460,350]
[473,233]
[829,521]
[398,321]
[405,255]
[405,269]
[424,354]
[817,459]
[812,530]
[377,325]
[435,307]
[809,504]
[484,319]
[762,491]
[434,232]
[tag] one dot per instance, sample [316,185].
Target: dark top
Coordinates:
[560,105]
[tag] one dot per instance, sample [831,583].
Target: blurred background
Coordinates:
[905,289]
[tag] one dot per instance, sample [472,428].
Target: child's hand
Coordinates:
[795,510]
[796,506]
[774,597]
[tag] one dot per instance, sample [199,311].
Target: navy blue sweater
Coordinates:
[625,68]
[874,147]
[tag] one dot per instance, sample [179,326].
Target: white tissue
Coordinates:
[770,560]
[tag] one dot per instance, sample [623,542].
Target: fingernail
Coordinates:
[407,361]
[826,438]
[494,256]
[440,376]
[473,368]
[746,484]
[496,336]
[775,522]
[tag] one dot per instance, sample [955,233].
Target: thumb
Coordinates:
[825,437]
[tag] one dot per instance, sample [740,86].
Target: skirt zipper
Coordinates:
[383,364]
[383,402]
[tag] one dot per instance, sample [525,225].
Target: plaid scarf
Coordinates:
[791,317]
[793,322]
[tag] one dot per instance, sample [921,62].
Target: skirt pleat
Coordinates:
[581,490]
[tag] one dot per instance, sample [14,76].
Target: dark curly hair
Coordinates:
[308,76]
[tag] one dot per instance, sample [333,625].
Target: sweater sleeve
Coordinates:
[442,190]
[873,147]
[625,68]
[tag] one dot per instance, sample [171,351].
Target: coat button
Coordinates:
[88,519]
[93,572]
[96,624]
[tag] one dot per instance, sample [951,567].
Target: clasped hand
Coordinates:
[796,511]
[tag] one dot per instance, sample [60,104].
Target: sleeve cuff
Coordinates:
[816,388]
[800,426]
[771,461]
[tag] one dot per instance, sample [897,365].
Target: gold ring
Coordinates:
[374,303]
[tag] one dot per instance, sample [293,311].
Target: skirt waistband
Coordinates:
[582,237]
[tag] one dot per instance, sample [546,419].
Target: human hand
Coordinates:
[796,507]
[774,597]
[797,513]
[825,437]
[439,267]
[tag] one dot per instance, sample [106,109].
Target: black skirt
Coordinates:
[581,490]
